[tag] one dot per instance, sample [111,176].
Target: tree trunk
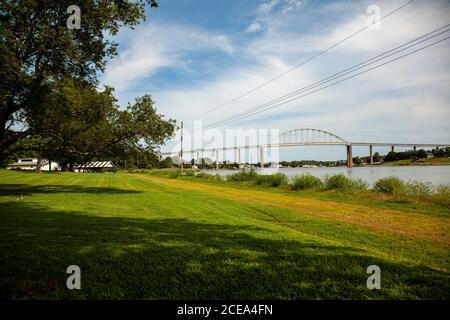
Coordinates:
[38,165]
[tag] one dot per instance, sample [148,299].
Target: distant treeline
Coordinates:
[418,154]
[404,155]
[301,163]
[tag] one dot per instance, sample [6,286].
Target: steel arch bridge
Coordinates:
[307,137]
[310,136]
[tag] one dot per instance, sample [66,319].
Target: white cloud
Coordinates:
[193,100]
[264,15]
[152,47]
[290,42]
[267,7]
[293,4]
[254,27]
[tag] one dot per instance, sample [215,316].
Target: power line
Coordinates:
[301,64]
[322,88]
[334,83]
[343,72]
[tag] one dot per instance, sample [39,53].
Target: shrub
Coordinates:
[418,189]
[360,185]
[338,182]
[342,183]
[242,176]
[272,180]
[442,196]
[390,185]
[306,181]
[415,189]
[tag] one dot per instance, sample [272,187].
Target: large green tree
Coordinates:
[37,48]
[80,123]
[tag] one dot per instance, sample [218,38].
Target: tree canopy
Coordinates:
[80,123]
[38,52]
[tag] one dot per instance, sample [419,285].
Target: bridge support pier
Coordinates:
[392,148]
[349,156]
[201,161]
[239,159]
[371,154]
[414,148]
[261,157]
[217,159]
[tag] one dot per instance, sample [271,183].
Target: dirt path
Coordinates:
[410,224]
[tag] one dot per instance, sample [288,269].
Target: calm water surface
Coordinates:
[435,175]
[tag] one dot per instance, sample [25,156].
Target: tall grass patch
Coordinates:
[390,185]
[306,181]
[210,177]
[342,183]
[242,177]
[271,180]
[441,196]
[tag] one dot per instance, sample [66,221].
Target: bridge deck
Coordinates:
[299,144]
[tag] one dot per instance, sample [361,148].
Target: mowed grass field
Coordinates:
[149,237]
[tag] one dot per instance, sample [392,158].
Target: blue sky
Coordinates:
[192,56]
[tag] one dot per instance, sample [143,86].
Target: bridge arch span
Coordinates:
[311,136]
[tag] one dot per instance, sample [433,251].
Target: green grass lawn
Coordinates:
[158,238]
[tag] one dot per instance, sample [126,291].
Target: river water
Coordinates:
[436,175]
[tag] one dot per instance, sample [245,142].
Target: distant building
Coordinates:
[95,166]
[32,163]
